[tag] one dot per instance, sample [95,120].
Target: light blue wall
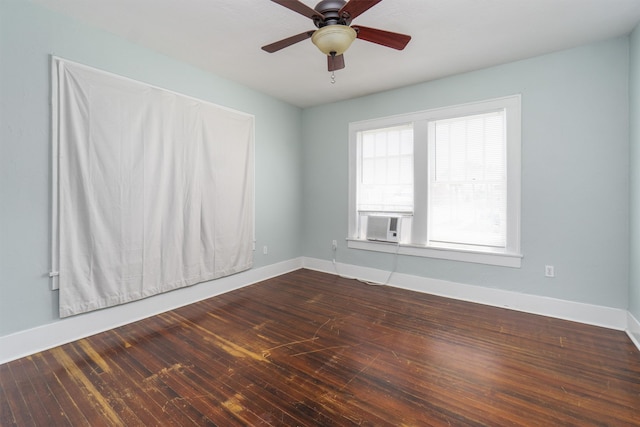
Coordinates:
[634,287]
[575,182]
[29,34]
[575,162]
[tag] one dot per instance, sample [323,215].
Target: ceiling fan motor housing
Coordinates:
[330,9]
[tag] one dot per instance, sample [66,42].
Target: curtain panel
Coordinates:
[153,190]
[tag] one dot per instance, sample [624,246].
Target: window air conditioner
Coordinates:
[383,228]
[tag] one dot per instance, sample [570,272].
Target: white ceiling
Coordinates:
[448,37]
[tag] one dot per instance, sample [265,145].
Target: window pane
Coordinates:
[406,170]
[472,214]
[380,171]
[467,189]
[368,171]
[386,170]
[368,146]
[393,170]
[393,144]
[406,142]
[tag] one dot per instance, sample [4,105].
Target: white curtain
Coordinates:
[155,189]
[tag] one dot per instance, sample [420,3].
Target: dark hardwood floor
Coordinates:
[312,349]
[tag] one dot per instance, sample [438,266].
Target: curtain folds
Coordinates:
[155,189]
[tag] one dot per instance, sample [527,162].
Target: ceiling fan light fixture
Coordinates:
[334,39]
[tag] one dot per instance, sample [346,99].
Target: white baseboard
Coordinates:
[633,329]
[30,341]
[612,318]
[66,330]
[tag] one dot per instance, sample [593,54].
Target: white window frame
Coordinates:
[510,256]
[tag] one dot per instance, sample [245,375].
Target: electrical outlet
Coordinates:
[334,245]
[549,271]
[265,250]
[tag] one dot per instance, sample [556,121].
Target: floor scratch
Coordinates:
[361,371]
[290,343]
[313,338]
[321,326]
[320,349]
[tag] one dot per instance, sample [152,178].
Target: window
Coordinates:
[385,179]
[451,176]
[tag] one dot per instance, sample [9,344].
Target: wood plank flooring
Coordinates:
[312,349]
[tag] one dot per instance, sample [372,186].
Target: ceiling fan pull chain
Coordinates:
[333,78]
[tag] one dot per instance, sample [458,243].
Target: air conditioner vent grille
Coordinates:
[383,228]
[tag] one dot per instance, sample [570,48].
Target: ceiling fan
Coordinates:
[334,34]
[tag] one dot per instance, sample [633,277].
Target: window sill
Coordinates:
[453,254]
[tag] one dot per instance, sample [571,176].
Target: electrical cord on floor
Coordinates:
[368,282]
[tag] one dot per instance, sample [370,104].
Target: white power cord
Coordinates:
[334,249]
[395,263]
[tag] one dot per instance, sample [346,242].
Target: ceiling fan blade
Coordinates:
[274,47]
[299,7]
[356,7]
[385,38]
[335,62]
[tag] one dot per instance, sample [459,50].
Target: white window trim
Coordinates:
[510,256]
